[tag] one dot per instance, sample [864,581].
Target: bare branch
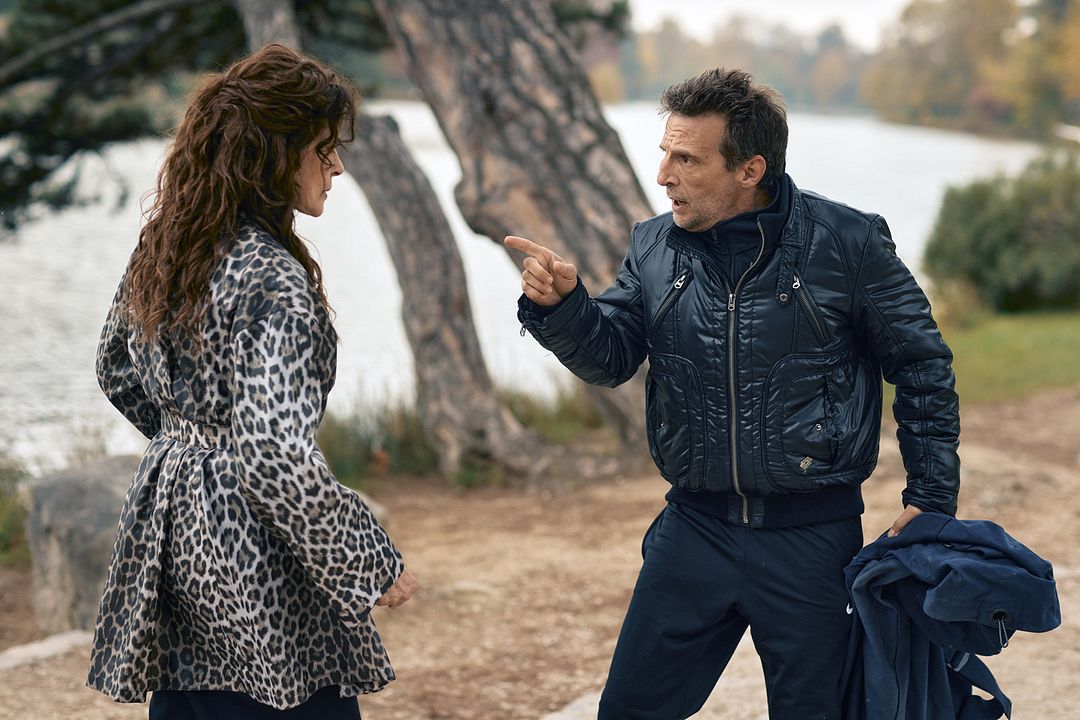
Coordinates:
[11,71]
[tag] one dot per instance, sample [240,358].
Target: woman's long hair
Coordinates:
[234,159]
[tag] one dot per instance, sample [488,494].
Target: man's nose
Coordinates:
[663,175]
[336,166]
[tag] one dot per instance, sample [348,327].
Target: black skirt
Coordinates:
[326,704]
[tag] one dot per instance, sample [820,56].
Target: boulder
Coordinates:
[71,531]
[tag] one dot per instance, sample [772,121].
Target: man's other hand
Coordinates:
[905,517]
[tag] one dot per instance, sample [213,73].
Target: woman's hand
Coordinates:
[400,591]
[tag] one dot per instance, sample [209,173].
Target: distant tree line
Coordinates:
[998,66]
[822,72]
[1008,67]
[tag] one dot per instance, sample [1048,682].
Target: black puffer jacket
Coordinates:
[769,391]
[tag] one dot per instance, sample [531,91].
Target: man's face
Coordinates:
[701,188]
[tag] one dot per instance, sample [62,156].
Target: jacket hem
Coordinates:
[775,511]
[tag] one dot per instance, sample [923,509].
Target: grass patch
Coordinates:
[1010,356]
[14,552]
[363,446]
[1005,357]
[559,420]
[390,441]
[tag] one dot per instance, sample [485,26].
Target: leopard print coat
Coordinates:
[241,563]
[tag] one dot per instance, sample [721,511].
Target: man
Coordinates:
[768,316]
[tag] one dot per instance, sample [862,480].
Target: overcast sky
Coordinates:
[862,20]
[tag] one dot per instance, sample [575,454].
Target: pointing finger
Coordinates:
[528,247]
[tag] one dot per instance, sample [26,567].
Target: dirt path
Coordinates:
[524,593]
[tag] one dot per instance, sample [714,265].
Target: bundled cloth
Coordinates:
[927,602]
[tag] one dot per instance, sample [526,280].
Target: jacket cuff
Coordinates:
[537,317]
[942,502]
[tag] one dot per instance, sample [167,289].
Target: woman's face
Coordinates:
[315,176]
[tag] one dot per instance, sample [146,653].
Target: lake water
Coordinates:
[58,277]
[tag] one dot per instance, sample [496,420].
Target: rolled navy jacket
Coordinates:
[927,602]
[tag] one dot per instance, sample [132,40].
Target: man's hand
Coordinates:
[400,591]
[905,517]
[547,278]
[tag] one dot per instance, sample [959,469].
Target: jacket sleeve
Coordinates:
[278,401]
[116,375]
[893,317]
[602,339]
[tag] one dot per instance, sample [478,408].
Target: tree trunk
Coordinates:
[461,412]
[463,417]
[537,157]
[267,21]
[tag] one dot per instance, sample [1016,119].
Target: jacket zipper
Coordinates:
[684,279]
[808,304]
[732,297]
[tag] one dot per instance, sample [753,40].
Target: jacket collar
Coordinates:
[785,233]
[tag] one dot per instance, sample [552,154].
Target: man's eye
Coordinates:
[685,160]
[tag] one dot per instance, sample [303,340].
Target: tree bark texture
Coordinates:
[537,157]
[267,21]
[461,412]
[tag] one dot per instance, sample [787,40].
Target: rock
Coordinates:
[51,646]
[71,531]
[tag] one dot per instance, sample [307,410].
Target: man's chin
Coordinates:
[687,224]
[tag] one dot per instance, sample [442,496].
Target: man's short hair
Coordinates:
[755,116]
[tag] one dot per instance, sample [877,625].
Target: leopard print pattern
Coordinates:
[240,562]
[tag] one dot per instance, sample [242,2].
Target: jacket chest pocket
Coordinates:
[800,421]
[674,418]
[668,300]
[812,312]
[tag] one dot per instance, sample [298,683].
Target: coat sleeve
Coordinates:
[278,401]
[602,339]
[116,375]
[893,316]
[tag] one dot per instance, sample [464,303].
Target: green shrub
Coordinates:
[1016,242]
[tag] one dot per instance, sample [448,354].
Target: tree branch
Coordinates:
[10,71]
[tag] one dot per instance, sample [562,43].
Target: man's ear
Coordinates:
[752,171]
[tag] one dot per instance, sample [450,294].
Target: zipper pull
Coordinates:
[731,302]
[522,333]
[797,284]
[681,281]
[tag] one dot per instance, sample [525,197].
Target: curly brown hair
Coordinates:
[234,159]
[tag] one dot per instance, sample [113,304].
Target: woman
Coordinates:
[243,574]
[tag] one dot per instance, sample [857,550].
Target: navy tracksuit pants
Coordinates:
[702,583]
